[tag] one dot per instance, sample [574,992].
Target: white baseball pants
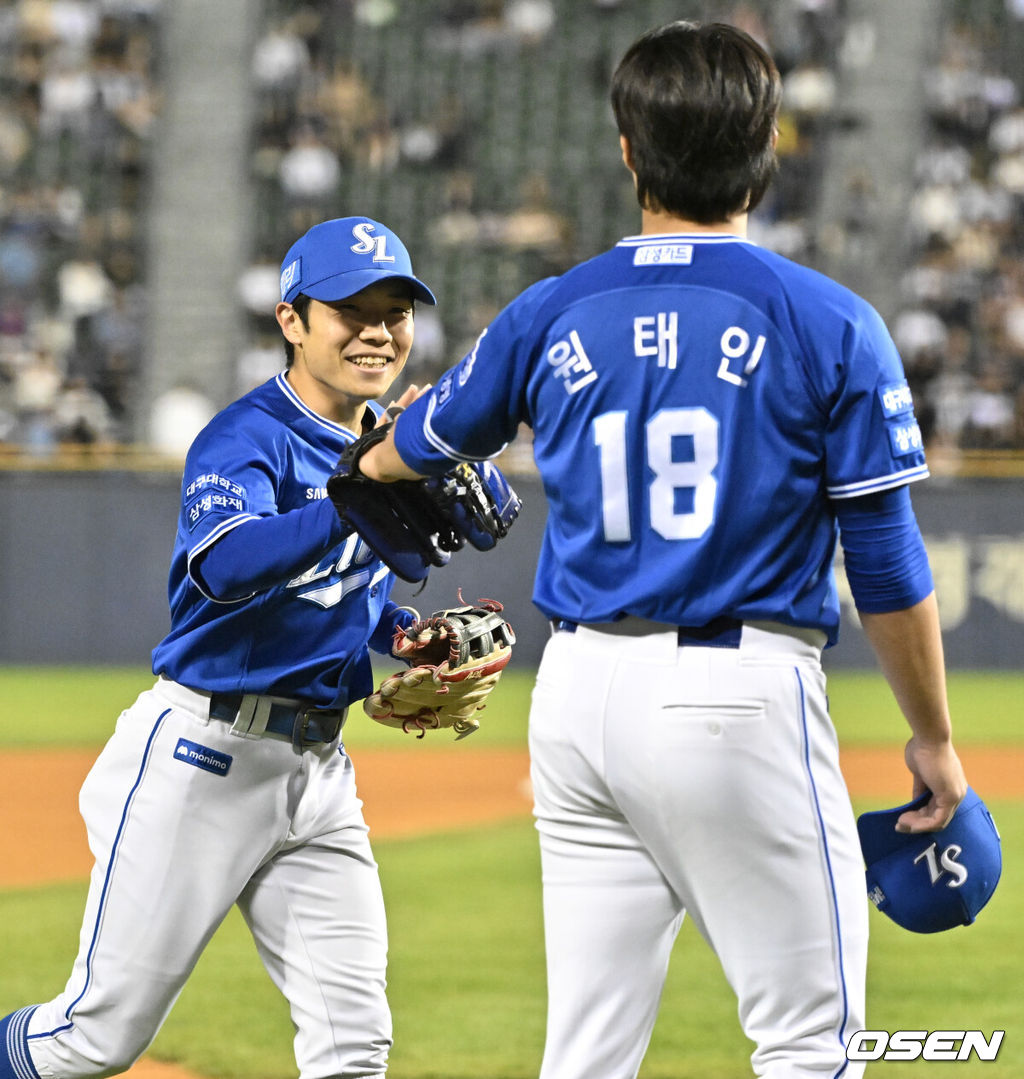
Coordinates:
[281,833]
[678,780]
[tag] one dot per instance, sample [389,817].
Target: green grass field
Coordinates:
[987,708]
[466,968]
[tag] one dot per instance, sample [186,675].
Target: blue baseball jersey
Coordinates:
[697,404]
[305,637]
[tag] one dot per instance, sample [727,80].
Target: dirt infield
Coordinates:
[406,792]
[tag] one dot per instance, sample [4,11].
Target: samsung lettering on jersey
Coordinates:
[664,254]
[906,438]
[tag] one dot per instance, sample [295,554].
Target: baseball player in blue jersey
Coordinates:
[226,782]
[708,418]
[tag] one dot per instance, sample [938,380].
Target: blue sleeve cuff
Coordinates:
[261,553]
[886,561]
[412,444]
[391,618]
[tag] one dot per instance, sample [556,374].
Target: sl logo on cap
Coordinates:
[963,862]
[365,243]
[945,862]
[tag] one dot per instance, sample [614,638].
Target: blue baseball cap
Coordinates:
[931,881]
[338,258]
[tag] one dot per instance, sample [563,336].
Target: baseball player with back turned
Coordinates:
[708,417]
[226,782]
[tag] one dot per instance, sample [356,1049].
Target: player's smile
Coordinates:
[372,362]
[353,349]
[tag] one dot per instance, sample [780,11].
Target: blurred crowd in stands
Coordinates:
[961,331]
[78,104]
[480,131]
[490,147]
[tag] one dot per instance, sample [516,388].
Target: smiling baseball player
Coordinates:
[704,414]
[226,782]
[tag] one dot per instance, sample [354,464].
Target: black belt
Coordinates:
[722,632]
[298,721]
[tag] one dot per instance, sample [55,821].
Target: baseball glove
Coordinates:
[456,659]
[412,525]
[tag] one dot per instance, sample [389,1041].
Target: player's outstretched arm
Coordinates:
[384,463]
[908,644]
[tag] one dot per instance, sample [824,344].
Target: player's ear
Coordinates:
[627,153]
[290,322]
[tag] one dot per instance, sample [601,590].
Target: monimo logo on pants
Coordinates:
[202,757]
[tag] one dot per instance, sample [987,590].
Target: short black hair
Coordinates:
[698,103]
[300,305]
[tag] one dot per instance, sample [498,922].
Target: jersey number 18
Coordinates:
[670,476]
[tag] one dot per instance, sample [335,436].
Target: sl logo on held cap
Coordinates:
[931,881]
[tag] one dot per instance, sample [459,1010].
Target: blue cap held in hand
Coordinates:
[931,881]
[338,258]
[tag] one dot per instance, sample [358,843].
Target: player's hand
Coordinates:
[411,394]
[936,770]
